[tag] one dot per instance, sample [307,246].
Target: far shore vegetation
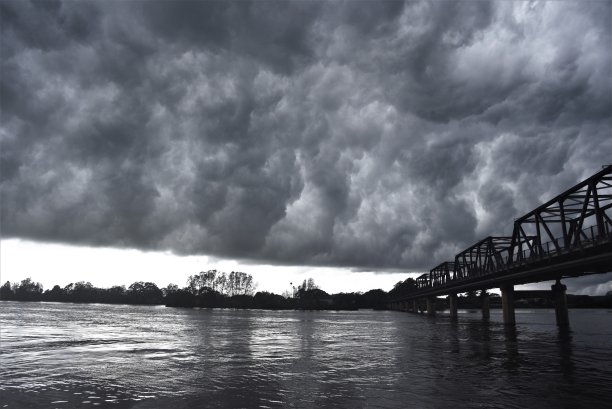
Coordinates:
[215,289]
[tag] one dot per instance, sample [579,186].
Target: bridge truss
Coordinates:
[569,235]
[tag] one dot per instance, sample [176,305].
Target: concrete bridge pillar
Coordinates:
[452,301]
[508,304]
[431,306]
[560,299]
[484,297]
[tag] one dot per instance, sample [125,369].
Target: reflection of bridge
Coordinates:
[549,243]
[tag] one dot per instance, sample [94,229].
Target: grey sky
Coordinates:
[367,135]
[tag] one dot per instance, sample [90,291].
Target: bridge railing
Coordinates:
[590,237]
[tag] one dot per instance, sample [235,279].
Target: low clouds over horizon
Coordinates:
[368,135]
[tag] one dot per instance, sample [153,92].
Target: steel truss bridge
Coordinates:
[568,236]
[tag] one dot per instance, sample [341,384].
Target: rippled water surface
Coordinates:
[71,355]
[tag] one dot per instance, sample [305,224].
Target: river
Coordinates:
[120,356]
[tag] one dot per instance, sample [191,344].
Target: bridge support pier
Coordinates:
[452,301]
[415,306]
[508,304]
[484,297]
[560,299]
[431,306]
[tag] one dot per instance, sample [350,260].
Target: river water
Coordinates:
[79,355]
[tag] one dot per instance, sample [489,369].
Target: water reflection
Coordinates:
[512,359]
[65,355]
[564,342]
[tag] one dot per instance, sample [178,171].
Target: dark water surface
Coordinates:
[70,355]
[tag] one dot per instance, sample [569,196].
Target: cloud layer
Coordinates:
[371,135]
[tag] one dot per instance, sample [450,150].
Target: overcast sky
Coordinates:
[314,137]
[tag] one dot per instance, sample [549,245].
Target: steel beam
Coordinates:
[431,306]
[560,299]
[452,301]
[484,298]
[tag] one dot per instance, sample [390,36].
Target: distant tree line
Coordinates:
[207,289]
[215,289]
[137,293]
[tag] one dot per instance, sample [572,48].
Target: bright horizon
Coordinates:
[62,264]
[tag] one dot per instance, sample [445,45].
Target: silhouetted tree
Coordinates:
[221,283]
[402,288]
[310,296]
[307,285]
[83,292]
[210,280]
[267,300]
[144,293]
[372,299]
[55,294]
[203,282]
[68,290]
[180,298]
[28,290]
[210,298]
[239,283]
[6,293]
[169,289]
[117,294]
[314,299]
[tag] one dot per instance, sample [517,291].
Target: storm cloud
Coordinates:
[370,135]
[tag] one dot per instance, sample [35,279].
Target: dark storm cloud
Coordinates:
[373,135]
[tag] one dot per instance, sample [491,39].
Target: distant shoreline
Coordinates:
[213,289]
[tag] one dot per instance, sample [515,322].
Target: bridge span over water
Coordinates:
[568,236]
